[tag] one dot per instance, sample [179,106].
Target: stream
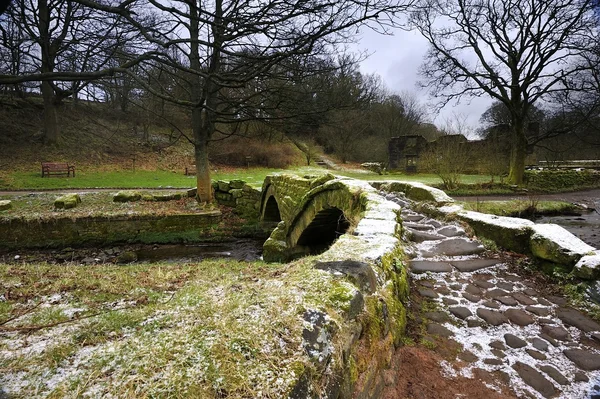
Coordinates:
[585,226]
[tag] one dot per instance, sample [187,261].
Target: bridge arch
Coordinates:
[271,213]
[325,228]
[313,221]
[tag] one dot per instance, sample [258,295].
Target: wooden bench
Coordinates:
[190,170]
[57,169]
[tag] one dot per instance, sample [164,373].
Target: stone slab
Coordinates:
[453,247]
[423,266]
[577,319]
[555,244]
[519,317]
[460,311]
[584,359]
[472,265]
[535,379]
[492,317]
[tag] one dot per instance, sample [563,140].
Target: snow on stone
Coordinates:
[561,237]
[501,221]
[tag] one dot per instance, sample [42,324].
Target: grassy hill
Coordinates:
[96,137]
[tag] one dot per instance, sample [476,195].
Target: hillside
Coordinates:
[94,136]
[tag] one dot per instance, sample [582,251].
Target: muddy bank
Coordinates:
[242,249]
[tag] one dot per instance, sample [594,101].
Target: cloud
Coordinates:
[397,57]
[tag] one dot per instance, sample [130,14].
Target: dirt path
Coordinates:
[87,190]
[486,328]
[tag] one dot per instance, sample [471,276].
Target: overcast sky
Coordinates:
[396,59]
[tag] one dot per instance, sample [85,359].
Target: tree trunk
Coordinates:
[517,154]
[51,131]
[201,136]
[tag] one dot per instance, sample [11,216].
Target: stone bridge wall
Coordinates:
[370,257]
[299,201]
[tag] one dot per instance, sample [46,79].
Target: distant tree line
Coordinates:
[236,68]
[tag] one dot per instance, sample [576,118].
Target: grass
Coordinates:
[97,179]
[524,207]
[90,178]
[217,328]
[41,206]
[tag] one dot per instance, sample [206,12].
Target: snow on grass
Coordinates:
[232,329]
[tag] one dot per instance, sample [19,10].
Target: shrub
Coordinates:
[241,151]
[561,180]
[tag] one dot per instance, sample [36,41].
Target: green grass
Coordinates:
[89,179]
[41,206]
[98,179]
[524,207]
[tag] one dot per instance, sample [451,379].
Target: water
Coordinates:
[586,226]
[247,250]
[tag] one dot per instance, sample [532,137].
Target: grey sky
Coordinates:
[396,58]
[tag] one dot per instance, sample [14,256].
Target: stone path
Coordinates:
[541,346]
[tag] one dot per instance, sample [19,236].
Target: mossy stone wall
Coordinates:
[371,259]
[102,230]
[240,196]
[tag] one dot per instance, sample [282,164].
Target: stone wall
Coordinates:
[552,246]
[371,258]
[103,230]
[240,196]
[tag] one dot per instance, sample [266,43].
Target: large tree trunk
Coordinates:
[518,153]
[201,136]
[51,130]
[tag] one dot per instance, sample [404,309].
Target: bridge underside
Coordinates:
[327,226]
[310,215]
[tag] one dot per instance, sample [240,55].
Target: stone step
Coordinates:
[471,265]
[456,246]
[418,226]
[420,236]
[422,266]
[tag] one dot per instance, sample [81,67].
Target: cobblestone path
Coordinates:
[504,322]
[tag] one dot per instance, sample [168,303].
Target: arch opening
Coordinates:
[327,226]
[271,214]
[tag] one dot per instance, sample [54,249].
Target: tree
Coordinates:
[55,41]
[399,115]
[517,52]
[448,156]
[498,114]
[233,52]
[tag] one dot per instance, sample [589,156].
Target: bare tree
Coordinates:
[230,53]
[448,156]
[57,39]
[517,52]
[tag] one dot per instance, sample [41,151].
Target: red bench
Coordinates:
[57,169]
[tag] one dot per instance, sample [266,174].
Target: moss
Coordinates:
[372,319]
[341,296]
[127,196]
[61,232]
[352,369]
[5,205]
[67,201]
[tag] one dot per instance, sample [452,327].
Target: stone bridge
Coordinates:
[309,213]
